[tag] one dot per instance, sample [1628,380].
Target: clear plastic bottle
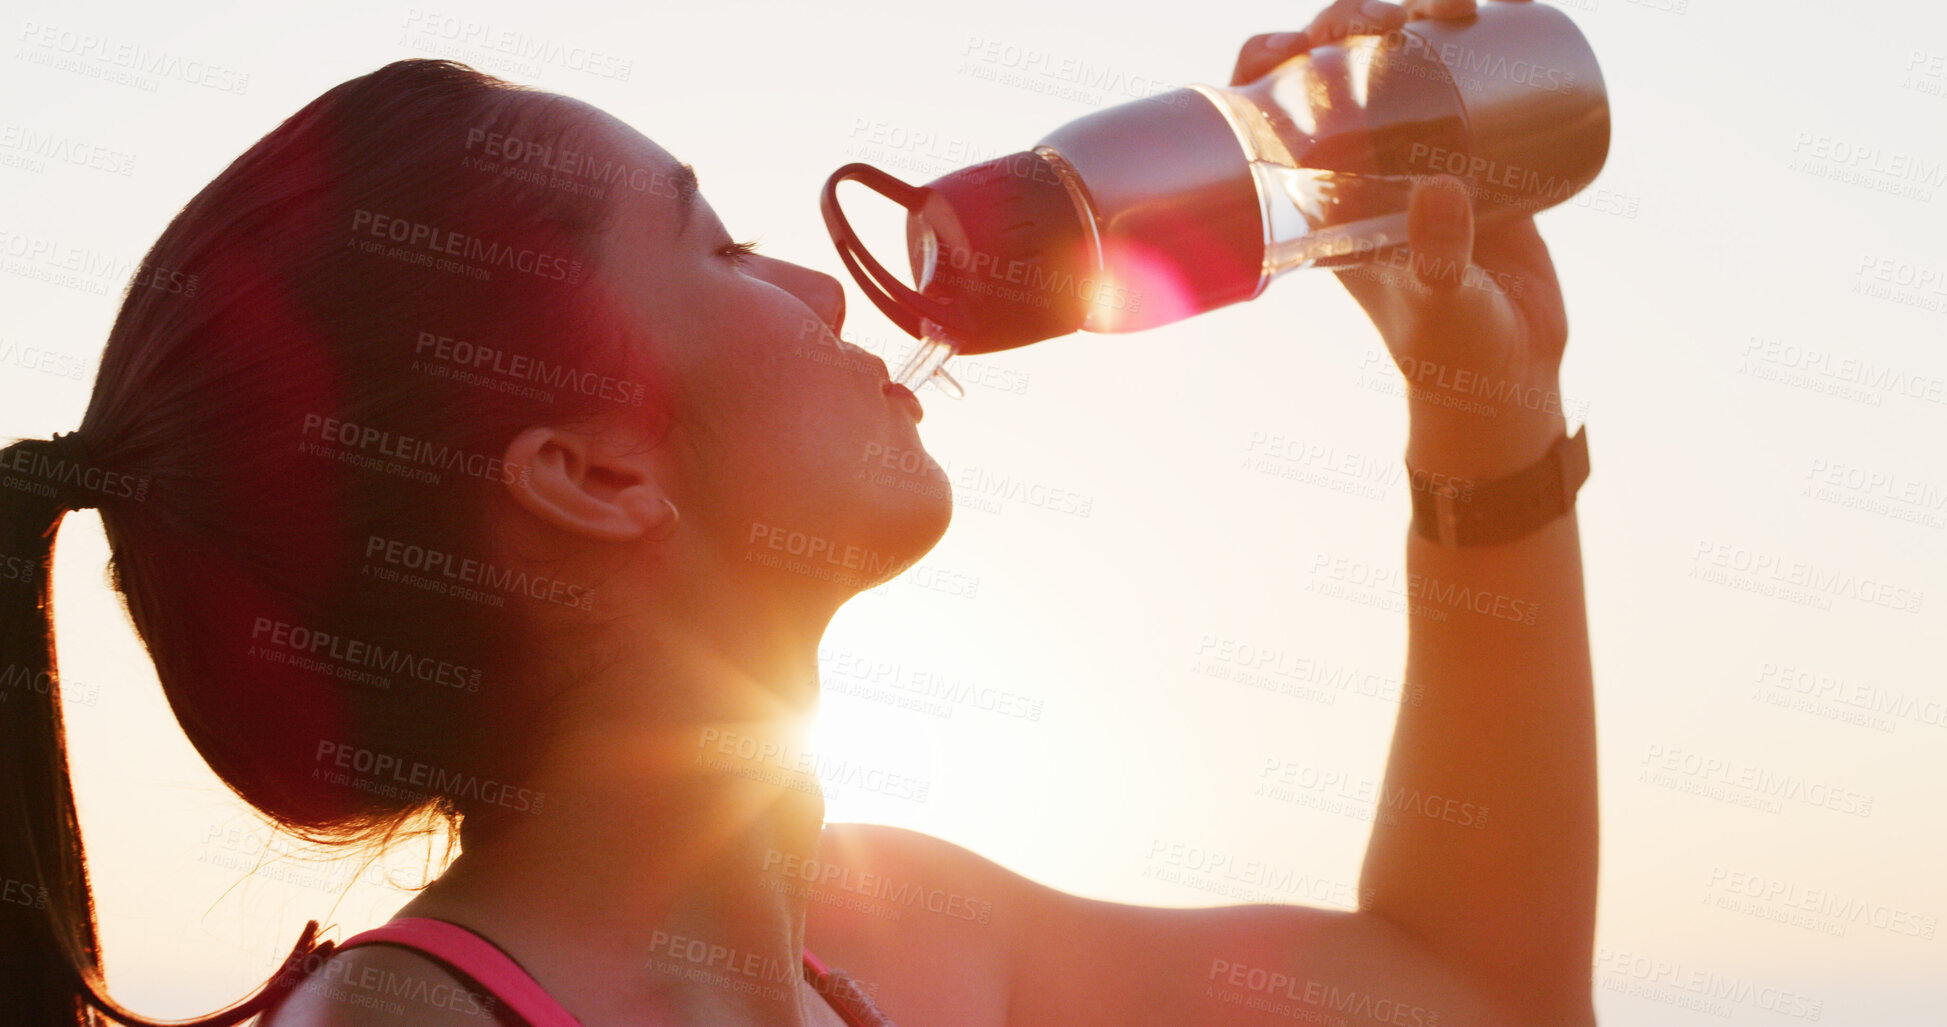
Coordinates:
[1149,212]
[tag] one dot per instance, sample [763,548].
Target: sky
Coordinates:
[1757,296]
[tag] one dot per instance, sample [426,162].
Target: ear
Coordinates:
[573,481]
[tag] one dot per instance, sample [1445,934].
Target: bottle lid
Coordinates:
[1003,247]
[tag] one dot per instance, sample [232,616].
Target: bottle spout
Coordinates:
[927,363]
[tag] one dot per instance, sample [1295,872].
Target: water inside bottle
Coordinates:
[1337,137]
[1329,219]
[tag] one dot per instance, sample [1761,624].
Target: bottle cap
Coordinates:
[1003,245]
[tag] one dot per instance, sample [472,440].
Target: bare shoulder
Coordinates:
[385,986]
[922,923]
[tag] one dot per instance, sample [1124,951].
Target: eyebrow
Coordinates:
[685,196]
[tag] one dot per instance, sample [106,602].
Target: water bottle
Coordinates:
[1152,211]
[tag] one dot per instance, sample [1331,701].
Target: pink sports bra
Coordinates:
[481,961]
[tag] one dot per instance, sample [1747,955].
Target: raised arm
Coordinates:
[1479,885]
[1486,847]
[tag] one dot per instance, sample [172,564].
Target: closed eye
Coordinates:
[739,252]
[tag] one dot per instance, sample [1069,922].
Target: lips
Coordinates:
[905,395]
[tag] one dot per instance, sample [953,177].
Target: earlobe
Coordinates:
[663,523]
[653,511]
[567,481]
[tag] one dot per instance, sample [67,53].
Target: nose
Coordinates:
[821,292]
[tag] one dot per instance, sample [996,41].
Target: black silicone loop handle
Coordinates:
[893,297]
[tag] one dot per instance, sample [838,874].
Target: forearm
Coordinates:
[1485,845]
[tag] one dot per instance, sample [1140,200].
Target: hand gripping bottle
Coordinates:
[1148,212]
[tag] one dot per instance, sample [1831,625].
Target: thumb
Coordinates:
[1440,232]
[1460,310]
[1436,297]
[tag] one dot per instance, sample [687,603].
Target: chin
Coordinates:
[910,516]
[919,525]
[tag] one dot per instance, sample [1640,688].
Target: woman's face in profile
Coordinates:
[783,439]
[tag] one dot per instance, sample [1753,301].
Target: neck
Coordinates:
[673,785]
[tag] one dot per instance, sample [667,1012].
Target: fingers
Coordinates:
[1263,52]
[1440,8]
[1354,18]
[1344,18]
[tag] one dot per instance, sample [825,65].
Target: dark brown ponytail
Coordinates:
[47,923]
[50,958]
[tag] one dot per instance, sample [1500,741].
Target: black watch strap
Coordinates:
[1491,512]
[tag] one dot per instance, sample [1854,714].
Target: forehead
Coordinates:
[655,193]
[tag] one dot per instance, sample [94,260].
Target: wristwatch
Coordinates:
[1491,512]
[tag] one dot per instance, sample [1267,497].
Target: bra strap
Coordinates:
[843,994]
[495,971]
[483,962]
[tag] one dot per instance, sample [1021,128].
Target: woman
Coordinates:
[458,466]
